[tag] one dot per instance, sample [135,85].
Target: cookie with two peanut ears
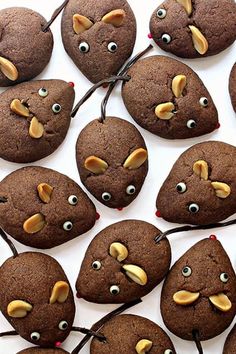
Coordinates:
[194,28]
[232,86]
[198,300]
[95,32]
[43,208]
[230,343]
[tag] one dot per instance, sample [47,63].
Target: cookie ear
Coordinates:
[45,192]
[136,159]
[187,4]
[222,190]
[18,309]
[96,165]
[60,292]
[115,17]
[118,251]
[81,23]
[179,83]
[200,168]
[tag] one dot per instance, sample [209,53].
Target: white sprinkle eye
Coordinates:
[96,265]
[193,208]
[191,124]
[112,47]
[114,289]
[181,187]
[73,200]
[203,101]
[56,108]
[224,277]
[161,13]
[106,196]
[63,325]
[43,92]
[67,226]
[35,336]
[166,38]
[168,351]
[130,190]
[84,47]
[186,271]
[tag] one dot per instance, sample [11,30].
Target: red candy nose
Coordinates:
[149,35]
[120,209]
[57,344]
[78,296]
[71,84]
[218,125]
[97,216]
[213,237]
[158,213]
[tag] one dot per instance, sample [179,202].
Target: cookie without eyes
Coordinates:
[201,186]
[230,343]
[43,208]
[112,161]
[99,36]
[25,49]
[38,350]
[168,99]
[123,263]
[34,119]
[199,293]
[133,334]
[194,28]
[232,86]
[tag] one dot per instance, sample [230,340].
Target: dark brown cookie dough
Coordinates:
[120,250]
[38,350]
[117,178]
[129,334]
[167,98]
[232,86]
[34,119]
[230,343]
[43,208]
[99,36]
[194,28]
[36,298]
[25,49]
[199,293]
[201,187]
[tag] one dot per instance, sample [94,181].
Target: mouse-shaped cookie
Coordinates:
[34,119]
[123,263]
[232,86]
[99,36]
[230,343]
[43,208]
[167,98]
[194,28]
[201,186]
[37,350]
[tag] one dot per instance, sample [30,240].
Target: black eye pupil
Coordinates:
[205,101]
[165,39]
[95,265]
[193,124]
[160,12]
[83,48]
[74,200]
[69,226]
[106,197]
[43,89]
[64,325]
[114,291]
[179,188]
[193,209]
[185,270]
[57,107]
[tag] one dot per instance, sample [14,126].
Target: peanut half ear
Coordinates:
[119,251]
[222,190]
[96,165]
[81,23]
[187,4]
[143,346]
[45,192]
[136,159]
[8,69]
[200,168]
[199,40]
[115,17]
[18,309]
[178,85]
[60,292]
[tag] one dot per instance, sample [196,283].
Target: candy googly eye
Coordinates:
[84,47]
[193,208]
[168,351]
[191,124]
[130,190]
[56,108]
[114,289]
[73,200]
[203,101]
[224,277]
[35,336]
[63,325]
[106,196]
[186,271]
[112,47]
[67,226]
[181,187]
[43,92]
[96,265]
[166,38]
[161,13]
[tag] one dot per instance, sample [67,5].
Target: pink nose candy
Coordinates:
[149,35]
[57,344]
[71,84]
[213,237]
[158,213]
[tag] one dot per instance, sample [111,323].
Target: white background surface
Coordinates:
[162,153]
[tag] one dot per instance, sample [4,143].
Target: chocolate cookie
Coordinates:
[167,98]
[232,86]
[123,263]
[36,298]
[194,28]
[38,350]
[37,203]
[112,161]
[99,36]
[230,343]
[201,187]
[198,298]
[34,119]
[132,334]
[25,49]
